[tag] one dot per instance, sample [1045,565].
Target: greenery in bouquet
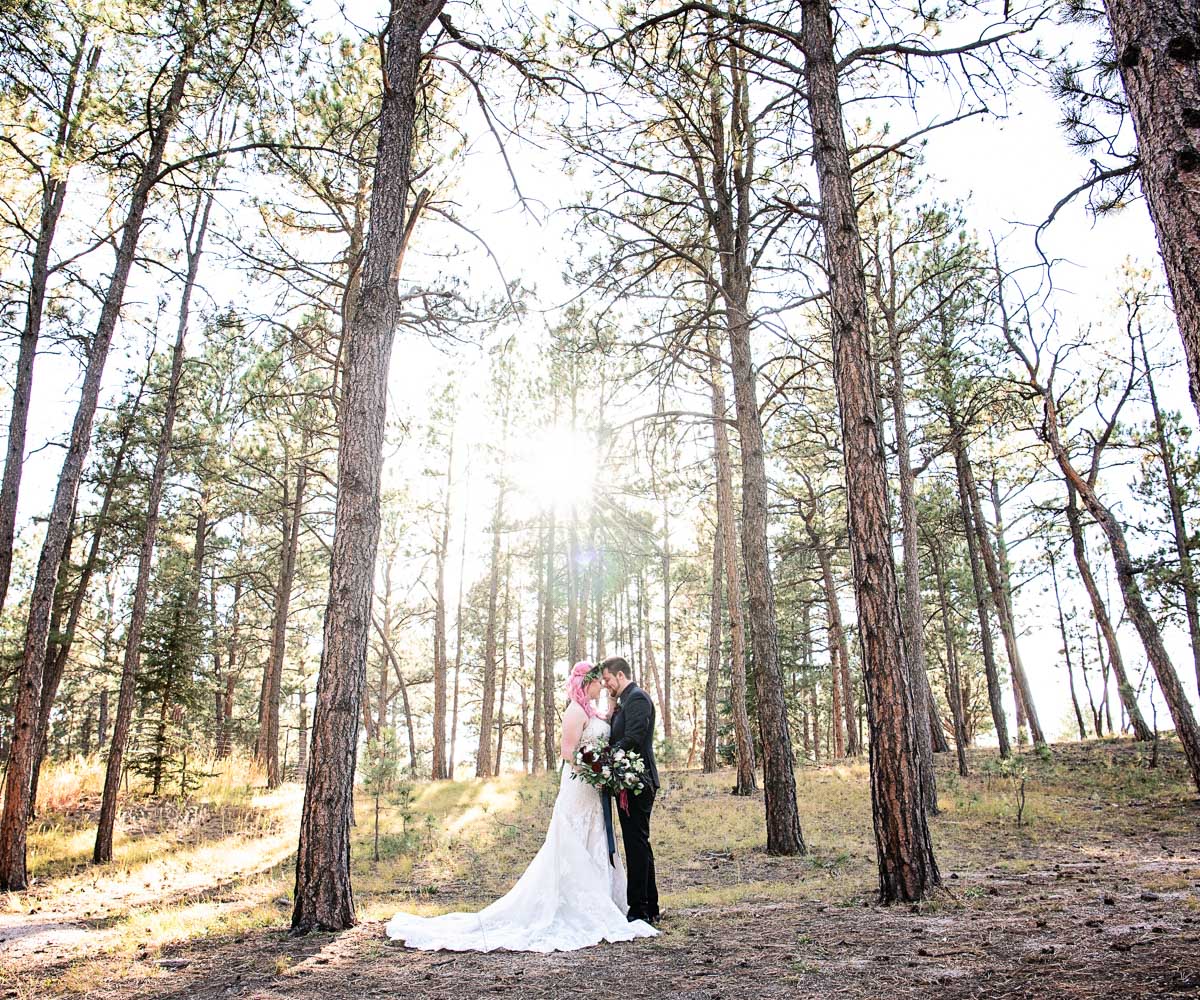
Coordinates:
[612,769]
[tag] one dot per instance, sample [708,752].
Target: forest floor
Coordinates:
[1096,894]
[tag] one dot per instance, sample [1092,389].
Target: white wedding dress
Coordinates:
[569,897]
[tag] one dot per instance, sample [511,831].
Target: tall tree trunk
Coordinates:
[539,677]
[1001,602]
[548,714]
[912,614]
[102,719]
[1125,689]
[503,667]
[907,869]
[1157,45]
[483,754]
[54,193]
[713,681]
[839,649]
[268,720]
[779,779]
[995,692]
[953,681]
[58,648]
[732,178]
[13,825]
[458,631]
[438,768]
[746,783]
[1066,640]
[668,726]
[323,895]
[137,616]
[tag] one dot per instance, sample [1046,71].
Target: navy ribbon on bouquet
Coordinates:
[606,809]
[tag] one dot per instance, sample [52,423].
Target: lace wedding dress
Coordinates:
[569,897]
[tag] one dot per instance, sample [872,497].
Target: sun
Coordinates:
[555,469]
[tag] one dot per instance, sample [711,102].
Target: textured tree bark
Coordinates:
[1128,696]
[323,895]
[54,193]
[1157,45]
[102,852]
[912,614]
[779,779]
[907,869]
[13,825]
[779,782]
[713,682]
[438,769]
[746,782]
[995,692]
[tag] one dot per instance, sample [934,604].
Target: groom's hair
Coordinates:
[617,665]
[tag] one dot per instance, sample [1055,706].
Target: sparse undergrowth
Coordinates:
[1099,884]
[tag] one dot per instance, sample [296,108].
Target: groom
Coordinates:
[633,729]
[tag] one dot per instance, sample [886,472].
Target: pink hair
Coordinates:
[575,689]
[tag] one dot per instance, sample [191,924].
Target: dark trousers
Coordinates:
[639,856]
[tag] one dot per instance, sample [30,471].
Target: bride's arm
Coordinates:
[574,719]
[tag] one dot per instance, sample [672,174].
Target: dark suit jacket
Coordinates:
[633,728]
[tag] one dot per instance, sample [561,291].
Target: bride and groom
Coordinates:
[574,893]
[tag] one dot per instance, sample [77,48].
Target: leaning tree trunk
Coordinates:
[727,540]
[1127,572]
[907,869]
[995,692]
[54,193]
[1000,601]
[1137,609]
[913,614]
[1157,45]
[29,674]
[58,649]
[102,851]
[323,895]
[1141,731]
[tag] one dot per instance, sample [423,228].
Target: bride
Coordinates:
[570,896]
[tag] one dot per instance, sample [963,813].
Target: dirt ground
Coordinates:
[1099,898]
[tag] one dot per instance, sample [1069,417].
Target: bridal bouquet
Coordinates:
[611,769]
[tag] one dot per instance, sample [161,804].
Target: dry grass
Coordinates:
[200,876]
